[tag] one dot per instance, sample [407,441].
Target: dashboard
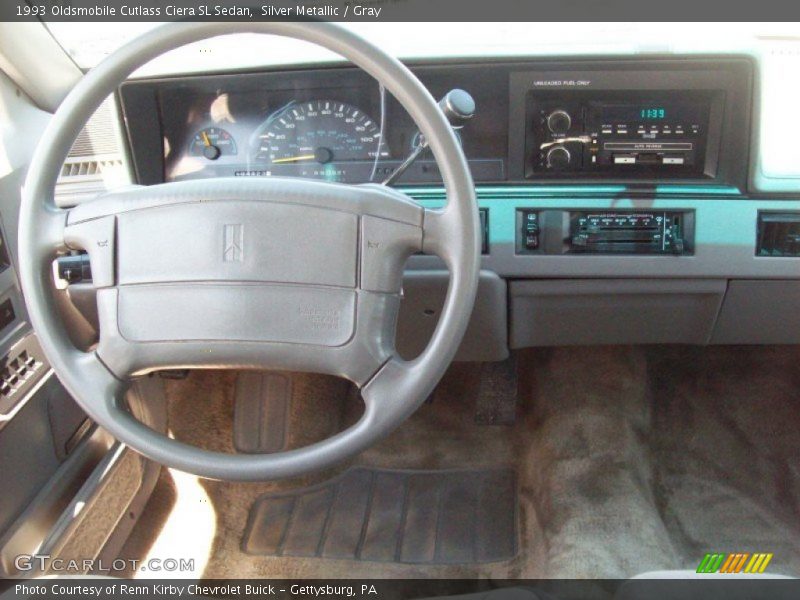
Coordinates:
[617,194]
[628,120]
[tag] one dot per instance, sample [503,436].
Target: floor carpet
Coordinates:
[628,459]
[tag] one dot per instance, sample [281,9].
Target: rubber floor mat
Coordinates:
[417,517]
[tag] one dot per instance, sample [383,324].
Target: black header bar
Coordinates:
[534,11]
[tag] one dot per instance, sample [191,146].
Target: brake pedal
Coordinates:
[261,412]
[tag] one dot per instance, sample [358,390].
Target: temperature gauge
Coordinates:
[212,143]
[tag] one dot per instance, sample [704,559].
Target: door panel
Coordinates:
[56,466]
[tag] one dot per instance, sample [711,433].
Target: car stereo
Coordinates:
[619,133]
[637,121]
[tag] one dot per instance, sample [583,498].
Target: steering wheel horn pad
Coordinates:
[249,273]
[294,274]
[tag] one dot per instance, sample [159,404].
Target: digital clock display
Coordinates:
[651,113]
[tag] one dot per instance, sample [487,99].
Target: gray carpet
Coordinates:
[645,459]
[628,459]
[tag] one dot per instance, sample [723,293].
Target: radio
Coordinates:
[634,133]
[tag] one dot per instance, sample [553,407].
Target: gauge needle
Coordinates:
[206,141]
[294,158]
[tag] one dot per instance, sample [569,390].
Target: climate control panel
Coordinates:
[557,231]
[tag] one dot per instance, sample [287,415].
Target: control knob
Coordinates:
[558,157]
[559,121]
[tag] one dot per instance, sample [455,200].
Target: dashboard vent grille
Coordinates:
[95,162]
[778,234]
[98,135]
[93,169]
[20,371]
[87,178]
[17,372]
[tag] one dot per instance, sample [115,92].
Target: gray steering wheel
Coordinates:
[249,273]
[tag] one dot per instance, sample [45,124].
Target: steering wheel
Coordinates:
[249,273]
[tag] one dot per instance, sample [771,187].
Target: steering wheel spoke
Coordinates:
[96,237]
[48,228]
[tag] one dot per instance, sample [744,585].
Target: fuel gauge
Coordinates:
[212,142]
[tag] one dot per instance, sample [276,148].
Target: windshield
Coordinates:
[89,43]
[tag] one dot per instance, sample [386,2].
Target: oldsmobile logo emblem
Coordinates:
[232,247]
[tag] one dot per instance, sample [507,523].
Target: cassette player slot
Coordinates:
[650,154]
[648,146]
[647,158]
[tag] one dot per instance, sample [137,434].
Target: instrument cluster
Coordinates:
[331,124]
[318,138]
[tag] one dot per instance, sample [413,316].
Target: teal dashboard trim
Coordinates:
[697,190]
[433,193]
[715,207]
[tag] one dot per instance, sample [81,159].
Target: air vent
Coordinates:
[93,169]
[778,234]
[99,135]
[94,164]
[20,371]
[16,372]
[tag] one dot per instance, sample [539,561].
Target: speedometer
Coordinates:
[317,136]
